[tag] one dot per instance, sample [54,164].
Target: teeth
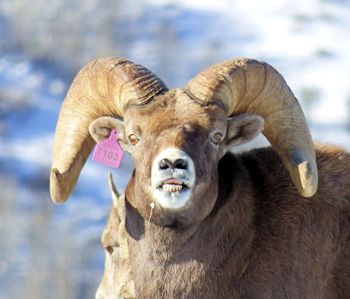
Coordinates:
[171,188]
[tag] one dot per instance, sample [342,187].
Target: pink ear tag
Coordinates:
[108,152]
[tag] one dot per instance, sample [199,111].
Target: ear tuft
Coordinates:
[100,129]
[243,128]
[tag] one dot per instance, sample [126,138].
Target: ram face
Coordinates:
[177,137]
[176,145]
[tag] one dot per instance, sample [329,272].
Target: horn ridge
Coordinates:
[103,87]
[247,85]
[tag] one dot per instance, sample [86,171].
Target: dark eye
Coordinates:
[216,138]
[133,139]
[109,249]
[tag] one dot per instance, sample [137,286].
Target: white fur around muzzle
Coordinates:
[172,196]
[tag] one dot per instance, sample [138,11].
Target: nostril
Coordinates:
[180,164]
[165,164]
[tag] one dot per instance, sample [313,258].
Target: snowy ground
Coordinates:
[40,242]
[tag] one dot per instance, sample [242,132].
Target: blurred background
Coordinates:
[51,251]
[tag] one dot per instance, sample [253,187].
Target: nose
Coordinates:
[167,163]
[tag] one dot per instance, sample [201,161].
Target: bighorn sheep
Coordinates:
[201,222]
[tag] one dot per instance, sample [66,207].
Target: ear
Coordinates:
[100,129]
[241,129]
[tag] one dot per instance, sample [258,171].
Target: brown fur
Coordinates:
[262,239]
[246,232]
[117,281]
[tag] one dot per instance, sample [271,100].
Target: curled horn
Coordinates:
[104,87]
[246,85]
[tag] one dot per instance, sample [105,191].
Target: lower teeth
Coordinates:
[171,188]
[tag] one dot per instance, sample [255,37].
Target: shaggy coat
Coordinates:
[261,240]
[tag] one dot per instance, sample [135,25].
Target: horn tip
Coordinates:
[308,179]
[58,193]
[114,190]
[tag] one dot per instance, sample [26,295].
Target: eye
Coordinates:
[216,138]
[133,139]
[109,249]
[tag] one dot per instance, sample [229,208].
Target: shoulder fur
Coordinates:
[269,174]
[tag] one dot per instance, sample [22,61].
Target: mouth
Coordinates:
[173,193]
[173,185]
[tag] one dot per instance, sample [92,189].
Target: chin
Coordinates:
[172,200]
